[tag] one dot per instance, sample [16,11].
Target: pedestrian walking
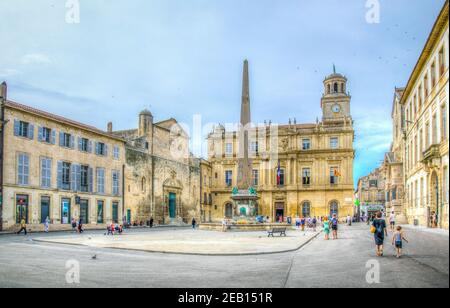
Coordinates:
[74,225]
[349,220]
[194,223]
[314,223]
[302,223]
[398,239]
[46,224]
[334,226]
[23,227]
[80,226]
[224,224]
[380,231]
[392,221]
[152,221]
[326,228]
[297,223]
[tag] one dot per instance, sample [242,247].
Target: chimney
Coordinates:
[4,90]
[110,127]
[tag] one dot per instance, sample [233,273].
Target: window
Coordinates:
[306,176]
[100,180]
[84,178]
[66,140]
[229,178]
[115,212]
[116,152]
[101,149]
[394,194]
[435,130]
[23,129]
[444,126]
[147,145]
[46,135]
[425,83]
[84,145]
[306,144]
[334,143]
[281,177]
[254,147]
[445,183]
[100,211]
[433,75]
[441,62]
[143,185]
[334,175]
[255,177]
[66,175]
[373,183]
[229,149]
[46,172]
[427,135]
[336,88]
[420,97]
[115,182]
[23,169]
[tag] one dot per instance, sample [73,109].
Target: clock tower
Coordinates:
[335,101]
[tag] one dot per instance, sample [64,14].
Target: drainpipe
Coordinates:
[123,193]
[3,96]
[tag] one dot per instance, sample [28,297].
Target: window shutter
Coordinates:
[31,131]
[60,174]
[73,181]
[90,146]
[78,167]
[61,139]
[91,180]
[106,150]
[80,143]
[16,127]
[72,142]
[118,183]
[96,148]
[53,141]
[40,134]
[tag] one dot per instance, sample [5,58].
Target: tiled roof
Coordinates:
[57,118]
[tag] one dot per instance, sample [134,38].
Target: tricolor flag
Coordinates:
[279,174]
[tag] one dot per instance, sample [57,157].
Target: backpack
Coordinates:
[334,222]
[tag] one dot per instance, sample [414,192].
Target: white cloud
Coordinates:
[35,58]
[8,72]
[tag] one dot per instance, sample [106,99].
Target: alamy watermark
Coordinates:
[73,272]
[373,14]
[373,273]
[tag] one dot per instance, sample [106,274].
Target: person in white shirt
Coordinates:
[392,221]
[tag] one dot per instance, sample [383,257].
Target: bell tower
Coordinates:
[335,101]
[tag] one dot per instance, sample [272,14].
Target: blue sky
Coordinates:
[184,57]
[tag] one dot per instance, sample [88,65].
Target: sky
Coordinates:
[181,58]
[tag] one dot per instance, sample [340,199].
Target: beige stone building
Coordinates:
[162,178]
[297,169]
[425,101]
[57,168]
[371,192]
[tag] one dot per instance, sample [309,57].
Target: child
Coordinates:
[326,228]
[398,239]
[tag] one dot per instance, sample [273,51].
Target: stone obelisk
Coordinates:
[244,163]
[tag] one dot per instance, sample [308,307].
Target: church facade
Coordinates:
[296,169]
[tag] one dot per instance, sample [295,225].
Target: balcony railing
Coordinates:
[431,153]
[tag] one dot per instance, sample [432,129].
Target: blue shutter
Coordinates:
[61,139]
[91,180]
[16,127]
[53,141]
[80,143]
[40,133]
[78,177]
[97,148]
[106,150]
[72,142]
[90,146]
[60,174]
[73,179]
[31,131]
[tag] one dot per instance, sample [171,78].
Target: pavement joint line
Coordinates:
[191,253]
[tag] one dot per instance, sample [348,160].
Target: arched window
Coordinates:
[342,88]
[328,89]
[229,210]
[306,209]
[334,208]
[336,87]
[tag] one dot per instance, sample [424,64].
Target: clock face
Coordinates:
[336,108]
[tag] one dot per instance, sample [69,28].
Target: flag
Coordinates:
[279,174]
[337,173]
[357,203]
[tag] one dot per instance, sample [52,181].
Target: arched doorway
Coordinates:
[434,208]
[334,208]
[306,209]
[229,210]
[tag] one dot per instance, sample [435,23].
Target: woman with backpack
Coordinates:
[380,231]
[334,226]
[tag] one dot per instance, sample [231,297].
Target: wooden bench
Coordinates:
[281,231]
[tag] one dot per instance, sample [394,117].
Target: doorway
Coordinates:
[172,205]
[84,211]
[279,212]
[334,209]
[21,208]
[65,211]
[229,210]
[45,209]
